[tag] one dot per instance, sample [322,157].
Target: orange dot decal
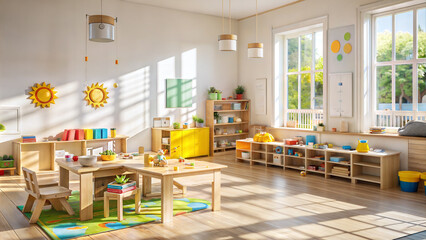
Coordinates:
[335,46]
[347,48]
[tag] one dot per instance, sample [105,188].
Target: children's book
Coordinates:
[111,190]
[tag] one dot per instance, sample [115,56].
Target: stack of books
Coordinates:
[377,130]
[114,187]
[344,171]
[28,139]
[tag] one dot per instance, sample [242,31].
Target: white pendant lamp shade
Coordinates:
[228,42]
[101,28]
[255,50]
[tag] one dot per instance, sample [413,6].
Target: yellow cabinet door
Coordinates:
[202,145]
[188,143]
[175,144]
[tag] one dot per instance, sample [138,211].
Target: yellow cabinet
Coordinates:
[185,143]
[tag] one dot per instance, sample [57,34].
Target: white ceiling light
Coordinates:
[101,28]
[255,50]
[227,42]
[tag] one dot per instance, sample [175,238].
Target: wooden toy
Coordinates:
[160,159]
[88,134]
[141,150]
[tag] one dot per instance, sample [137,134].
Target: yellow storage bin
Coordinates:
[409,180]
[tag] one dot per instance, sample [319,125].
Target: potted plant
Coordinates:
[219,94]
[212,93]
[108,155]
[321,127]
[176,125]
[239,91]
[121,184]
[200,122]
[217,117]
[194,120]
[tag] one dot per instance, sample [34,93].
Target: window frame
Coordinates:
[414,62]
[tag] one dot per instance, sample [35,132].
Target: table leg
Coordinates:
[216,191]
[146,185]
[167,199]
[86,196]
[64,177]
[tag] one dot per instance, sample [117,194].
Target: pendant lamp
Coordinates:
[255,50]
[227,42]
[101,28]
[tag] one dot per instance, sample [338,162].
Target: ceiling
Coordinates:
[239,8]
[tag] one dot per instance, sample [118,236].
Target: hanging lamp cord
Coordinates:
[223,20]
[101,12]
[230,30]
[256,20]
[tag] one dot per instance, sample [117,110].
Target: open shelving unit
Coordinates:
[227,130]
[372,167]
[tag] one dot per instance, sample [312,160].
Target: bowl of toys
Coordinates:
[87,161]
[108,155]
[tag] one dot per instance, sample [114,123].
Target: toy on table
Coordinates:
[363,146]
[75,158]
[69,157]
[108,155]
[113,132]
[160,159]
[181,159]
[126,156]
[346,147]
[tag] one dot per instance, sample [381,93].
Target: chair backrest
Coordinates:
[31,182]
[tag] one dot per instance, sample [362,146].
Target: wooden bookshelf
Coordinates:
[224,108]
[379,168]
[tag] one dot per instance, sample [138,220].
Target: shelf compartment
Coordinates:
[279,159]
[292,156]
[338,175]
[231,135]
[229,124]
[367,164]
[259,157]
[301,168]
[367,161]
[258,147]
[315,160]
[338,163]
[367,178]
[315,171]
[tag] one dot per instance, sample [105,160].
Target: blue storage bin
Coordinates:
[104,133]
[311,138]
[97,133]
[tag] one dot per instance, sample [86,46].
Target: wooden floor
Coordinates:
[258,203]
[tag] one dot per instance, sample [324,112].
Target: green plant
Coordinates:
[239,90]
[10,157]
[194,118]
[218,91]
[5,157]
[200,120]
[320,124]
[2,127]
[107,152]
[212,90]
[217,116]
[176,125]
[121,179]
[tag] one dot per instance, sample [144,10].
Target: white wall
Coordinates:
[339,12]
[44,41]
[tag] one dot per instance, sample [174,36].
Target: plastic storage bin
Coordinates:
[409,180]
[245,155]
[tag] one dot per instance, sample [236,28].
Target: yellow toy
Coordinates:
[363,146]
[303,173]
[263,137]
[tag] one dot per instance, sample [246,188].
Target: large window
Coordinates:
[399,66]
[303,76]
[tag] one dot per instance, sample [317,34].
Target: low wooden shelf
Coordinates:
[380,168]
[39,156]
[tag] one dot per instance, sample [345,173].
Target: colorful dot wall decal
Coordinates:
[339,57]
[347,36]
[335,46]
[347,48]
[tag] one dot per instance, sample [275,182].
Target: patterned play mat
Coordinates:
[59,225]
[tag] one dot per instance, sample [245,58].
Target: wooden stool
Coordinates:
[119,197]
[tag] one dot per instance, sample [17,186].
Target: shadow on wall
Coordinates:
[129,108]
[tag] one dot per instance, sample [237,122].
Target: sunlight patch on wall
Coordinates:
[165,69]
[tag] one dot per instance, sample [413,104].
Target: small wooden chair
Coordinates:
[56,195]
[119,197]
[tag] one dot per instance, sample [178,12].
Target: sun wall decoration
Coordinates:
[43,95]
[96,95]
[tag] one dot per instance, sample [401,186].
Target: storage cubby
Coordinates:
[258,147]
[275,160]
[293,162]
[259,157]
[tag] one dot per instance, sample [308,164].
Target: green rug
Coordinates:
[59,225]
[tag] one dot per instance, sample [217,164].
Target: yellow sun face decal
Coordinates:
[96,95]
[43,95]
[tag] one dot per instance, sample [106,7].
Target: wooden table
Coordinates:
[135,166]
[167,174]
[87,174]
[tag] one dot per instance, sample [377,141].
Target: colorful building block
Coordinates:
[71,135]
[88,134]
[97,133]
[79,134]
[104,133]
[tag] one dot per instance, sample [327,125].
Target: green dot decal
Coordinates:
[347,36]
[339,57]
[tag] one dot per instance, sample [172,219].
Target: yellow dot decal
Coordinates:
[335,46]
[347,48]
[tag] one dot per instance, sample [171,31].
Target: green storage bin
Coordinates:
[6,163]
